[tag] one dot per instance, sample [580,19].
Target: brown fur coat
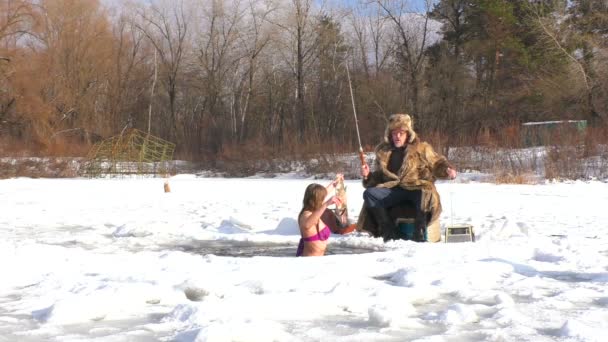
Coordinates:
[420,168]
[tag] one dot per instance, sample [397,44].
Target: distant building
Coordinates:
[558,132]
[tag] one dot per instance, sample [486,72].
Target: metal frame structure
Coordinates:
[132,152]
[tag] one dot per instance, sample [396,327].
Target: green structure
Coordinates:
[132,152]
[553,132]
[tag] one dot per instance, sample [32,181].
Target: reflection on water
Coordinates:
[251,249]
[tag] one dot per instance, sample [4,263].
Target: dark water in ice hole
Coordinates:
[251,249]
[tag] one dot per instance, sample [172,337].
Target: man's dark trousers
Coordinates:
[386,198]
[375,197]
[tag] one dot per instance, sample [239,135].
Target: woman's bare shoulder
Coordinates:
[303,216]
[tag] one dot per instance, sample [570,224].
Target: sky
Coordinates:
[121,260]
[416,4]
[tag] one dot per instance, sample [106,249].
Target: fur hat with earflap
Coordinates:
[402,121]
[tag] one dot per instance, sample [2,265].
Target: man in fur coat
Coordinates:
[405,170]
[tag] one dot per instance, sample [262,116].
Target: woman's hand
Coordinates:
[333,200]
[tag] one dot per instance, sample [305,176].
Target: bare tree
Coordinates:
[217,57]
[75,41]
[166,29]
[558,38]
[449,68]
[255,40]
[302,42]
[411,34]
[15,18]
[372,38]
[129,65]
[370,29]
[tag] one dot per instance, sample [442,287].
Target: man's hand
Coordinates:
[451,173]
[364,171]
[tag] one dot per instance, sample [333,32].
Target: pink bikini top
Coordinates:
[322,235]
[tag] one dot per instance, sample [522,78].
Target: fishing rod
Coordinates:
[352,97]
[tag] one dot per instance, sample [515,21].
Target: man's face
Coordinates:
[399,137]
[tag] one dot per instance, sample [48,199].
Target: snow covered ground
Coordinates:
[120,260]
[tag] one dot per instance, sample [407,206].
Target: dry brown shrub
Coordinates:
[7,170]
[510,136]
[564,162]
[253,157]
[28,168]
[438,140]
[595,137]
[462,139]
[484,137]
[509,178]
[243,159]
[329,164]
[62,148]
[58,168]
[21,148]
[39,167]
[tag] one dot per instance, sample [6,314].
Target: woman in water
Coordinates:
[313,230]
